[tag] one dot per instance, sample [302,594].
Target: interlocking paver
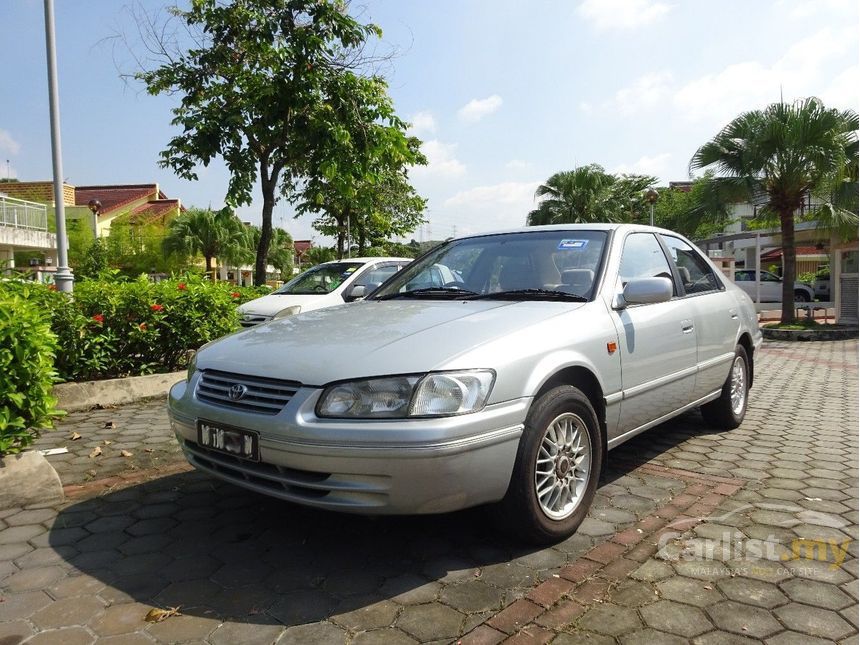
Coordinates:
[183,540]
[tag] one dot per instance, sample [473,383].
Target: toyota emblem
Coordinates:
[237,391]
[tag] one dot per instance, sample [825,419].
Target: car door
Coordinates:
[714,312]
[771,287]
[657,341]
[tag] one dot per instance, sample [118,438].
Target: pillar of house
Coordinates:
[749,257]
[7,258]
[222,272]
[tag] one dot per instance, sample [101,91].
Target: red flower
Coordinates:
[99,318]
[236,294]
[156,307]
[142,326]
[181,286]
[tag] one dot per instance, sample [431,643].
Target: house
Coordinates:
[102,205]
[24,228]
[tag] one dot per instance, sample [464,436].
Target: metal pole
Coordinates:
[63,277]
[652,213]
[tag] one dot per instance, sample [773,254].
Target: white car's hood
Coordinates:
[372,338]
[273,303]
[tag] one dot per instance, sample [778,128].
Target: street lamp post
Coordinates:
[651,197]
[63,278]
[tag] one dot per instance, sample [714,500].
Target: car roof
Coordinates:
[602,226]
[370,259]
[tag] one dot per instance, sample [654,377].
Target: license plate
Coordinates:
[229,440]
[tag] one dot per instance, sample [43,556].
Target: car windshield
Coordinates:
[323,278]
[536,265]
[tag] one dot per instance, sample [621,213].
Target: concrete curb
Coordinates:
[86,395]
[838,333]
[27,478]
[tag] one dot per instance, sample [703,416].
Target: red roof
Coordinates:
[775,254]
[114,197]
[152,211]
[302,246]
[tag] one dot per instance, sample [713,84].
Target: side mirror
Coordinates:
[644,291]
[358,291]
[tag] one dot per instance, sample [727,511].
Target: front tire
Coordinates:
[558,466]
[728,411]
[801,296]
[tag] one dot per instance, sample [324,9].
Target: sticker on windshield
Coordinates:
[571,245]
[349,270]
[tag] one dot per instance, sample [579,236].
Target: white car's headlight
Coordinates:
[398,397]
[289,311]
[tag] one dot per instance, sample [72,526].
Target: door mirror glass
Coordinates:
[358,291]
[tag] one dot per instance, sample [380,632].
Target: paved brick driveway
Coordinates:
[775,560]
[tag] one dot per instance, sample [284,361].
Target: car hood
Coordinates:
[273,303]
[373,338]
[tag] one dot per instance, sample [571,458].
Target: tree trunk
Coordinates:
[209,267]
[340,237]
[268,183]
[789,264]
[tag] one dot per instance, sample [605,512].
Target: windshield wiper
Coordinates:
[532,294]
[431,292]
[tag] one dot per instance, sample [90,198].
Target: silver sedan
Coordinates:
[508,384]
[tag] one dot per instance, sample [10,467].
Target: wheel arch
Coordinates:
[585,380]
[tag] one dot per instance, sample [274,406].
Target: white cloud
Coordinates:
[441,160]
[8,144]
[720,96]
[844,91]
[622,14]
[657,165]
[520,193]
[803,9]
[422,123]
[477,109]
[585,107]
[518,164]
[646,92]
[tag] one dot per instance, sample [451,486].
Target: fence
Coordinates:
[18,213]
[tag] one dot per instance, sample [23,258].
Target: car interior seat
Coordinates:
[578,280]
[516,275]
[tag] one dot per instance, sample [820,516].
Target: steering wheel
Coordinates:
[320,289]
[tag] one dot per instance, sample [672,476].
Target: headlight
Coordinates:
[398,397]
[289,311]
[192,367]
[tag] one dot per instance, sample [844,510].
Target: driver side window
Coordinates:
[643,257]
[696,274]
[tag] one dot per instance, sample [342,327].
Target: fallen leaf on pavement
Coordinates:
[125,453]
[96,452]
[157,615]
[107,442]
[147,449]
[74,436]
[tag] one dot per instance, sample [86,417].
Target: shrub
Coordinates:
[112,328]
[27,349]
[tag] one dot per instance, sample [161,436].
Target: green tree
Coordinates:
[785,153]
[363,187]
[205,232]
[281,250]
[698,213]
[318,255]
[590,194]
[255,87]
[95,261]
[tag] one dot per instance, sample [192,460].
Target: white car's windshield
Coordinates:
[538,265]
[323,278]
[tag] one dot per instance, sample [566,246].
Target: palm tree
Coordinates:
[207,232]
[589,194]
[785,153]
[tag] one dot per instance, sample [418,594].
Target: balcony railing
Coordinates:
[18,213]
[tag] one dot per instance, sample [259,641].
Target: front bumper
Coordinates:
[375,467]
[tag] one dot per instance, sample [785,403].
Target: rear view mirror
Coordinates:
[644,291]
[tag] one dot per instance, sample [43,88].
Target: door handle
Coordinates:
[733,313]
[687,326]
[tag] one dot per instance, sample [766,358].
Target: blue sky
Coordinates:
[503,92]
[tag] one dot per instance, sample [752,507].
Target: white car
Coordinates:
[770,286]
[325,285]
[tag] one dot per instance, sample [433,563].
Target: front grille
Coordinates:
[251,320]
[262,395]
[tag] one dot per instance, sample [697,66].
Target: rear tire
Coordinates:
[728,411]
[558,465]
[801,296]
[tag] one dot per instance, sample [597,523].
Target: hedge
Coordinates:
[27,348]
[110,329]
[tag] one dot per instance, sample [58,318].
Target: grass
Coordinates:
[798,324]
